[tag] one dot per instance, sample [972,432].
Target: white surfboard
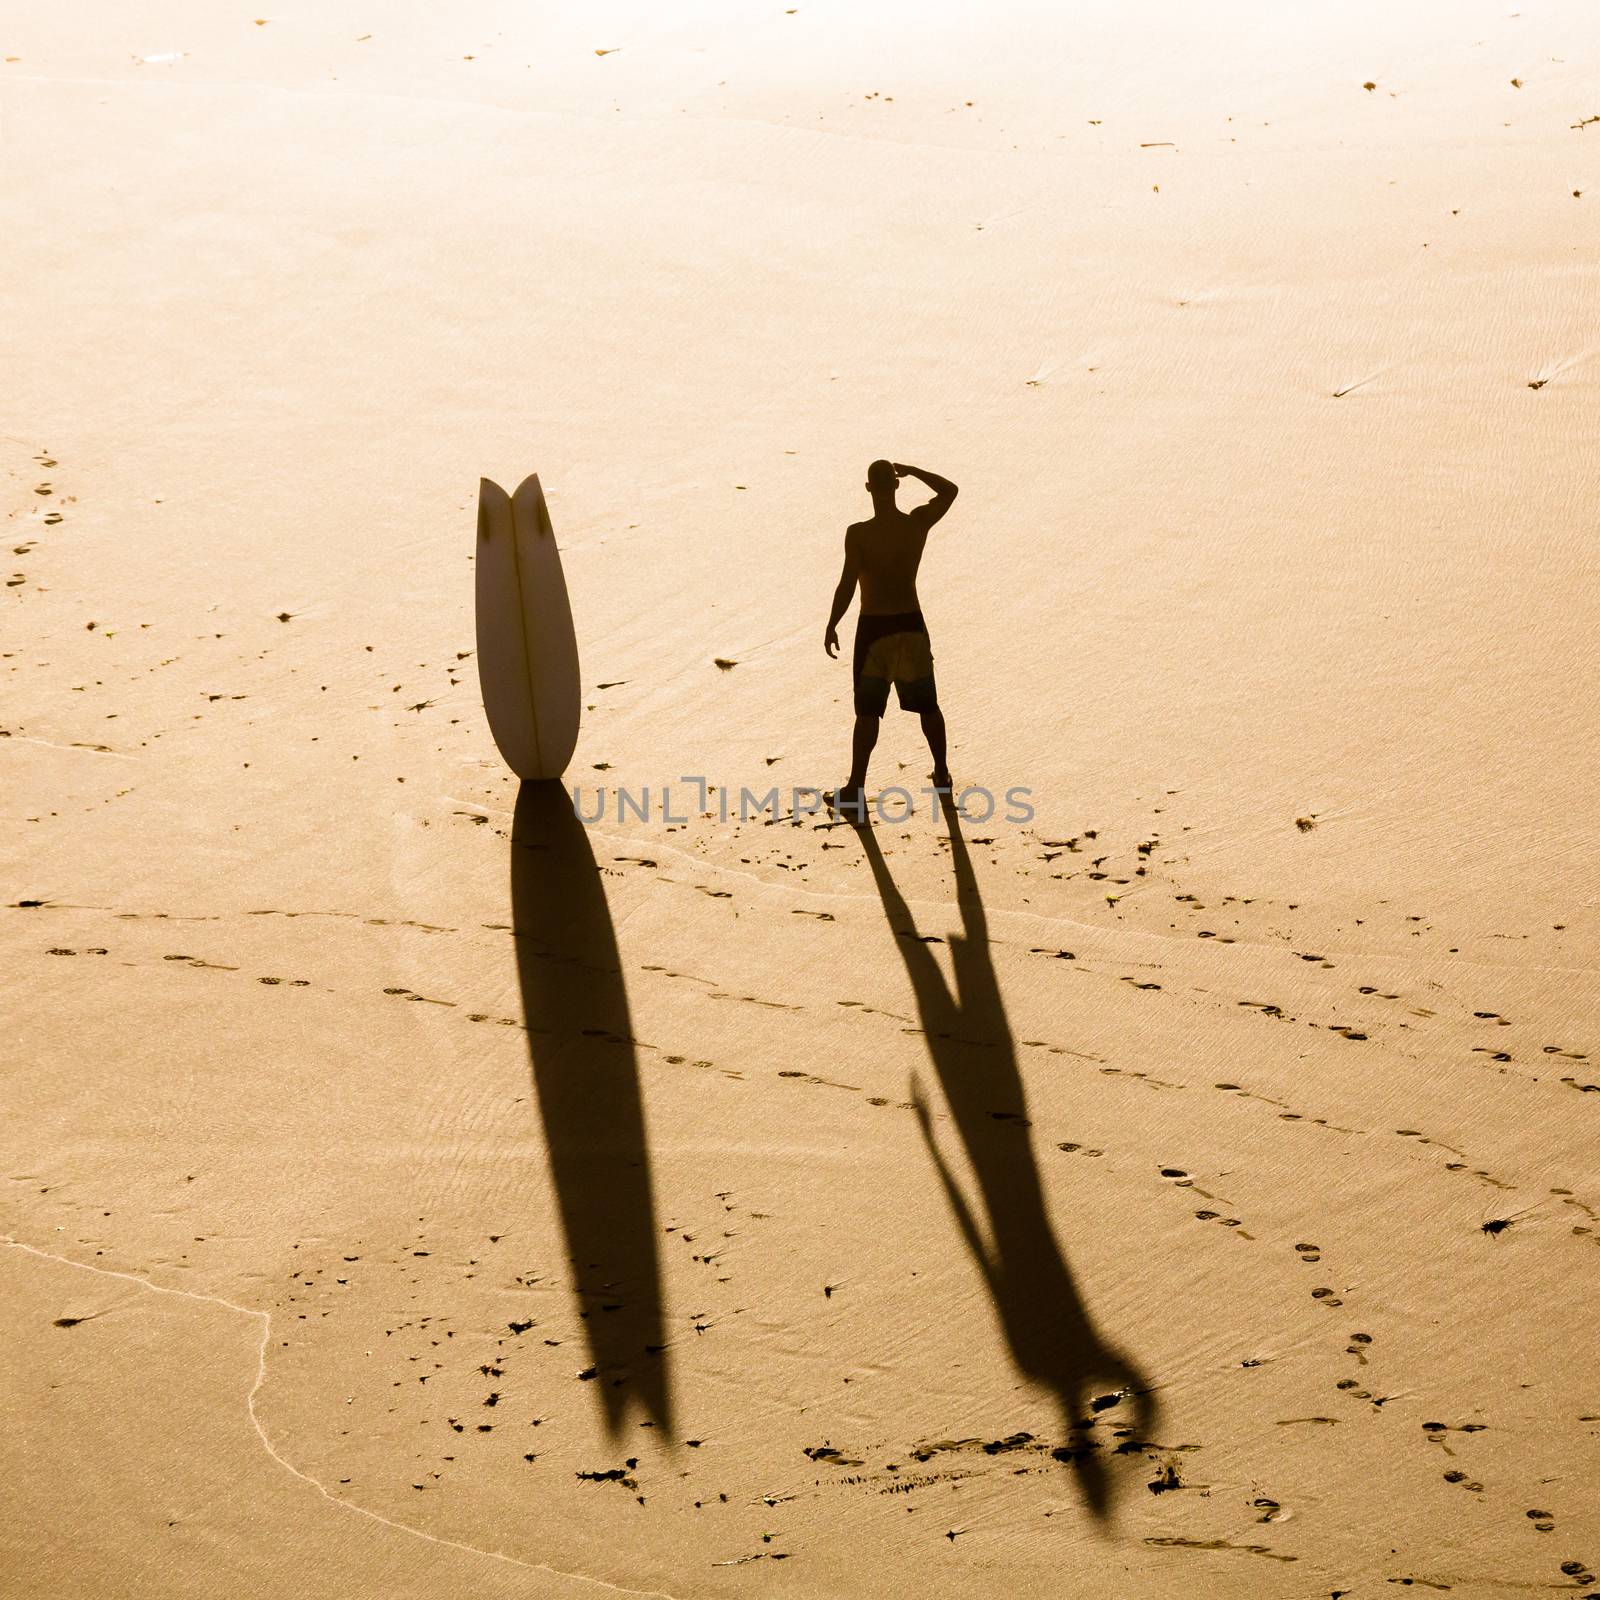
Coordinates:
[527,650]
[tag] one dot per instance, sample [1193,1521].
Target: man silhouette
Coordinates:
[891,646]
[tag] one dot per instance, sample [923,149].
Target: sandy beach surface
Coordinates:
[1193,1190]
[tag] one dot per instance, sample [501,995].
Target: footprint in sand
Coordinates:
[1146,1077]
[408,994]
[1227,1222]
[1437,1430]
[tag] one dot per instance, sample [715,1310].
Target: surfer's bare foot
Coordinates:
[849,799]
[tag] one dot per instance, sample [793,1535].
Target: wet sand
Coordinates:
[410,1190]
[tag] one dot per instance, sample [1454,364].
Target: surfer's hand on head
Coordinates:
[830,640]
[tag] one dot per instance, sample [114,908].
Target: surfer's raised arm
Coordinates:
[944,492]
[843,594]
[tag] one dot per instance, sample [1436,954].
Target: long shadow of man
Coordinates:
[586,1076]
[1046,1323]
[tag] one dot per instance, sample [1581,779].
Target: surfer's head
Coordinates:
[881,480]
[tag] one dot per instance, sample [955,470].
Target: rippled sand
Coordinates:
[1192,1190]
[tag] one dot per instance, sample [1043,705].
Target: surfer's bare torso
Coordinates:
[888,550]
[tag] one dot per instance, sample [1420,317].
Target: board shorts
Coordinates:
[893,649]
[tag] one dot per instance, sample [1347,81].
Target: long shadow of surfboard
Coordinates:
[586,1076]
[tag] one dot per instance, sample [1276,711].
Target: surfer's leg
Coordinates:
[871,701]
[862,740]
[933,732]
